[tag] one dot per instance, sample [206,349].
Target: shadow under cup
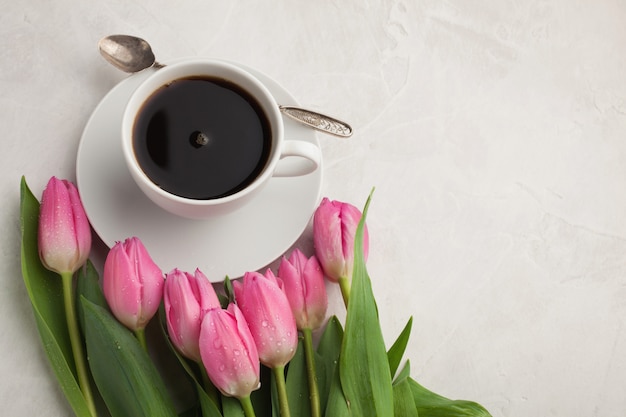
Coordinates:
[201,137]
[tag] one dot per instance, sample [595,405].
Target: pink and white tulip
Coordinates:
[187,298]
[64,235]
[132,283]
[334,229]
[229,353]
[303,283]
[268,313]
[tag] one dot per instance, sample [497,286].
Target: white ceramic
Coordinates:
[245,240]
[280,148]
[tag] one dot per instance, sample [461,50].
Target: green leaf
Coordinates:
[46,296]
[207,405]
[337,405]
[429,404]
[328,350]
[297,386]
[403,403]
[88,286]
[192,412]
[228,291]
[395,353]
[329,345]
[404,373]
[363,365]
[232,407]
[124,373]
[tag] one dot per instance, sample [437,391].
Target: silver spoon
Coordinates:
[132,54]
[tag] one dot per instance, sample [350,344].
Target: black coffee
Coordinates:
[201,138]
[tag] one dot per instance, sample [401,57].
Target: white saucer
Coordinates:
[246,240]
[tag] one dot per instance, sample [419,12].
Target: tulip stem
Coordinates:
[140,334]
[309,355]
[344,284]
[246,404]
[281,388]
[76,341]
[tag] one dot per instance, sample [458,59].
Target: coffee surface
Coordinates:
[201,138]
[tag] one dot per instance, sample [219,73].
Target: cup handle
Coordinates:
[298,158]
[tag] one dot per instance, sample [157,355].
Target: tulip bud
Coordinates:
[132,283]
[229,353]
[269,316]
[303,282]
[64,237]
[187,298]
[334,229]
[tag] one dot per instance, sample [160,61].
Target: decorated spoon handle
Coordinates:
[318,121]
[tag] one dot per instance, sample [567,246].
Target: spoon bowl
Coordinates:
[127,53]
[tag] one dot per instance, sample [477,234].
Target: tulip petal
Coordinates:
[294,289]
[132,283]
[228,353]
[82,229]
[334,227]
[350,217]
[328,239]
[187,298]
[269,316]
[205,293]
[121,287]
[243,329]
[64,235]
[305,289]
[315,296]
[150,277]
[182,312]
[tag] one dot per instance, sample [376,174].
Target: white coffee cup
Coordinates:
[171,169]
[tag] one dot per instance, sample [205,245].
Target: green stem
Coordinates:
[246,404]
[140,334]
[76,341]
[344,284]
[281,387]
[309,355]
[209,388]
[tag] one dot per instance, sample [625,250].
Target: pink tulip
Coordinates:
[64,234]
[132,283]
[64,242]
[334,229]
[303,282]
[187,298]
[268,313]
[229,353]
